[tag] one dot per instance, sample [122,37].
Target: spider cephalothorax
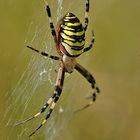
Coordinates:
[69,38]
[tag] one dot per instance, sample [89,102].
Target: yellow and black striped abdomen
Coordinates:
[72,35]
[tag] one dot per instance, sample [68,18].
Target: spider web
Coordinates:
[35,86]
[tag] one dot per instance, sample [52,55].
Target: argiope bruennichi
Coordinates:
[69,38]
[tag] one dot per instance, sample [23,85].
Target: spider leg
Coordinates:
[50,21]
[57,93]
[86,15]
[40,112]
[91,44]
[91,80]
[46,118]
[44,54]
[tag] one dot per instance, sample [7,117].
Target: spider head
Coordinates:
[69,63]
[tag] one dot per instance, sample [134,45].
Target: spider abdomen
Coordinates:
[72,36]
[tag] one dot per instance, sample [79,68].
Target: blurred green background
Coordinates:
[114,61]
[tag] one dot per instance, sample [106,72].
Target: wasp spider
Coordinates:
[69,38]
